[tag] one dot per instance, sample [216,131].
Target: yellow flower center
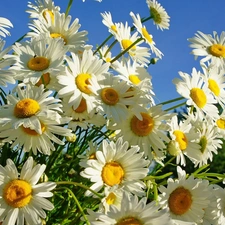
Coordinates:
[38,63]
[108,59]
[180,201]
[217,50]
[92,156]
[57,35]
[111,198]
[127,43]
[17,193]
[26,108]
[45,79]
[112,173]
[198,96]
[181,139]
[31,132]
[82,82]
[109,96]
[50,13]
[155,15]
[203,143]
[146,35]
[113,27]
[213,86]
[221,123]
[129,221]
[142,127]
[82,107]
[134,79]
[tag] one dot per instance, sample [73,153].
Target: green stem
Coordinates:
[68,7]
[110,47]
[158,177]
[172,100]
[168,162]
[104,42]
[176,106]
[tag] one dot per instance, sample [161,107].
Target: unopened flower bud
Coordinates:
[72,138]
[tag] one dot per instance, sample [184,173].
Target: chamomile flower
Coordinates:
[4,23]
[197,93]
[159,15]
[75,83]
[183,138]
[29,140]
[108,22]
[220,124]
[41,8]
[148,132]
[132,211]
[186,198]
[117,164]
[22,198]
[211,48]
[38,58]
[105,54]
[126,39]
[60,27]
[144,33]
[27,106]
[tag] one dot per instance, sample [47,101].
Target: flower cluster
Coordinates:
[87,117]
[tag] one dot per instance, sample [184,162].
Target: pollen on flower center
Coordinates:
[127,43]
[146,35]
[181,139]
[203,143]
[110,199]
[38,63]
[155,15]
[213,86]
[221,123]
[129,221]
[82,107]
[142,127]
[112,173]
[180,201]
[134,79]
[198,96]
[17,193]
[31,132]
[26,108]
[109,96]
[57,35]
[217,50]
[45,79]
[82,82]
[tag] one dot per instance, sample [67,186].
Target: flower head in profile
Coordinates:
[22,198]
[4,23]
[159,15]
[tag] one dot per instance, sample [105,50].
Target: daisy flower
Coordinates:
[186,198]
[183,137]
[75,83]
[22,198]
[105,54]
[148,132]
[117,164]
[197,93]
[60,27]
[107,21]
[30,140]
[220,124]
[38,59]
[126,39]
[41,8]
[4,23]
[158,14]
[29,105]
[6,75]
[211,48]
[144,33]
[132,211]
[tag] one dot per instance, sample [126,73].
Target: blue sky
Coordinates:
[187,17]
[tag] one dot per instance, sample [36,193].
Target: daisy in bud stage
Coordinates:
[117,164]
[4,23]
[59,27]
[194,89]
[144,33]
[38,59]
[211,48]
[186,198]
[158,14]
[77,80]
[132,212]
[41,8]
[27,106]
[22,198]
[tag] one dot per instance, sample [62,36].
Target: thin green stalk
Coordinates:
[168,162]
[104,42]
[68,7]
[172,100]
[110,47]
[158,177]
[176,106]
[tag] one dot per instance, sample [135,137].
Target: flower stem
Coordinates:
[68,7]
[172,100]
